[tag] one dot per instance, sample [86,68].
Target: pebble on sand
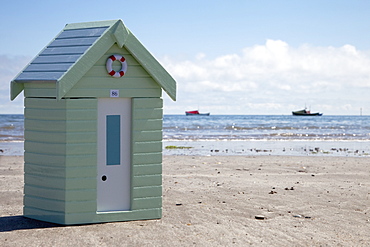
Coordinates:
[260,217]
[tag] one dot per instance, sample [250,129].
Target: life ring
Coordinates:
[110,69]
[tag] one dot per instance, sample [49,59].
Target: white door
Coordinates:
[114,162]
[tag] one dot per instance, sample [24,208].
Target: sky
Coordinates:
[228,57]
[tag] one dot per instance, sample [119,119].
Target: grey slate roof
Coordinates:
[60,55]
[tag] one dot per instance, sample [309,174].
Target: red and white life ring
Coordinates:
[110,69]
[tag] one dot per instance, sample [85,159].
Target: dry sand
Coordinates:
[213,201]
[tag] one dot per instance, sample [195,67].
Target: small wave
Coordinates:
[11,137]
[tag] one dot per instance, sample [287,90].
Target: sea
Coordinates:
[240,135]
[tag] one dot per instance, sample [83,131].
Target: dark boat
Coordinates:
[196,113]
[305,112]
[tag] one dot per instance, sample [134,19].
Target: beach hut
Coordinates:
[93,127]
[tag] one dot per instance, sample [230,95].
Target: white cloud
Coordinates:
[273,78]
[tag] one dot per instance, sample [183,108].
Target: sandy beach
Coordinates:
[220,201]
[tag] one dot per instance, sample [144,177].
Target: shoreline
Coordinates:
[330,148]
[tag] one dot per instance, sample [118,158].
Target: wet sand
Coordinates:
[268,147]
[220,201]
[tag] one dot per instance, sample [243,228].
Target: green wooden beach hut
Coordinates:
[93,127]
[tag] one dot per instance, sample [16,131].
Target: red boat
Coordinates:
[196,113]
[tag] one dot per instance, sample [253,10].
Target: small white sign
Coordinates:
[114,93]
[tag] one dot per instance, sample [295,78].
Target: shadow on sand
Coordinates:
[19,222]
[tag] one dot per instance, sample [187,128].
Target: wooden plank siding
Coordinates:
[40,90]
[60,157]
[147,154]
[60,161]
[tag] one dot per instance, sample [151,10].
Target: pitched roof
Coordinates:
[77,48]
